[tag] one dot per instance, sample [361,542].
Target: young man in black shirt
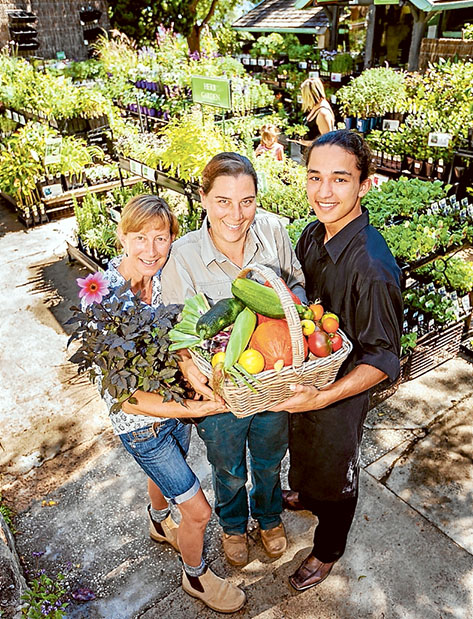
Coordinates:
[348,265]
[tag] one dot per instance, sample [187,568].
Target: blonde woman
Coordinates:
[319,115]
[151,429]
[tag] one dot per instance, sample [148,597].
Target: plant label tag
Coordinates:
[290,86]
[464,202]
[253,61]
[261,62]
[15,117]
[379,179]
[303,65]
[313,74]
[335,77]
[53,150]
[442,203]
[441,140]
[8,113]
[453,200]
[390,125]
[333,99]
[52,191]
[269,62]
[245,61]
[135,167]
[466,303]
[148,172]
[469,210]
[21,119]
[299,98]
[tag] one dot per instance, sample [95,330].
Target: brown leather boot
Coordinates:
[311,572]
[274,541]
[235,548]
[217,593]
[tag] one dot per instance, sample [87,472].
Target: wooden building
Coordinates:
[52,28]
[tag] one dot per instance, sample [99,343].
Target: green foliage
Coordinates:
[403,197]
[296,228]
[8,514]
[452,273]
[24,88]
[190,143]
[22,160]
[408,342]
[374,93]
[127,355]
[467,31]
[45,598]
[431,304]
[282,186]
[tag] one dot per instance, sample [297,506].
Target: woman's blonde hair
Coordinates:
[269,131]
[141,210]
[313,92]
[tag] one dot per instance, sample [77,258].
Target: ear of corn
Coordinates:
[242,331]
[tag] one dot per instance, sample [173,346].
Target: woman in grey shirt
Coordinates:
[232,236]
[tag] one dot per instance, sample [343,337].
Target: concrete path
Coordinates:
[82,500]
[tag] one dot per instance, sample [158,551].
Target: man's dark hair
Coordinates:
[351,142]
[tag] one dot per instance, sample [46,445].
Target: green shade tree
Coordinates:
[139,19]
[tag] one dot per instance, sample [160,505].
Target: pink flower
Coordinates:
[93,288]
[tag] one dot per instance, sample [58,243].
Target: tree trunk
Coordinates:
[418,29]
[193,39]
[370,37]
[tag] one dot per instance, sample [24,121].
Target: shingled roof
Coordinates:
[282,16]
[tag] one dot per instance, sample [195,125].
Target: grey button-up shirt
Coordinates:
[196,265]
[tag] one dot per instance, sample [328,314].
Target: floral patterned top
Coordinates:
[122,422]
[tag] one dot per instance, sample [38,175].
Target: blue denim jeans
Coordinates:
[226,438]
[161,450]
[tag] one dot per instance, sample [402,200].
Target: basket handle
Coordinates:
[292,317]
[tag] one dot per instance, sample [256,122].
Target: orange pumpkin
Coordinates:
[272,339]
[294,297]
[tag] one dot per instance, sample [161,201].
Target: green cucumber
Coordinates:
[218,317]
[263,300]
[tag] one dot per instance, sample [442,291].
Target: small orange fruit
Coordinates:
[330,322]
[317,310]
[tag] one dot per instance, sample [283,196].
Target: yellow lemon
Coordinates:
[308,327]
[252,360]
[218,358]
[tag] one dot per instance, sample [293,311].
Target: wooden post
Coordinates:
[418,29]
[332,13]
[370,36]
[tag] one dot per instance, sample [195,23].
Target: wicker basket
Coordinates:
[272,387]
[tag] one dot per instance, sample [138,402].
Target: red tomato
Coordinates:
[320,344]
[337,341]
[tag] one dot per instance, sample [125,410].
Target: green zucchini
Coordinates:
[218,317]
[263,300]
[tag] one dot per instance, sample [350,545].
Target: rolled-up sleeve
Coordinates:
[378,327]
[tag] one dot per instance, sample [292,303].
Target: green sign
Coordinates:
[212,91]
[60,55]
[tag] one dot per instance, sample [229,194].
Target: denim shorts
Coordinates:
[161,450]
